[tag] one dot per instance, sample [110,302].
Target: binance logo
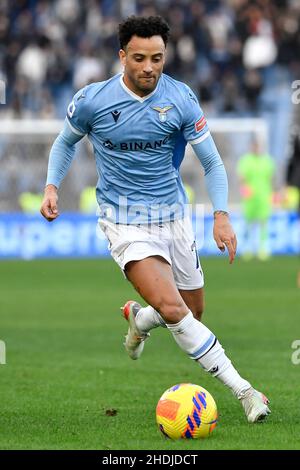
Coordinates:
[108,144]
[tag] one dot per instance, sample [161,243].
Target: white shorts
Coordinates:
[173,241]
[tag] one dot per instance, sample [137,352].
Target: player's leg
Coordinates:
[187,271]
[187,268]
[188,275]
[194,299]
[152,276]
[149,318]
[153,279]
[249,211]
[262,252]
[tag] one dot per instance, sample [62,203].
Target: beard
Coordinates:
[144,84]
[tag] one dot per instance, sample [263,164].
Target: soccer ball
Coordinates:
[186,411]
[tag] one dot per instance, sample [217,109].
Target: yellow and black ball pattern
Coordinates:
[186,411]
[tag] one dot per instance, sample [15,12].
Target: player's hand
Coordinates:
[224,235]
[49,208]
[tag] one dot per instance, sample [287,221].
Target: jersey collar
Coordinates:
[141,99]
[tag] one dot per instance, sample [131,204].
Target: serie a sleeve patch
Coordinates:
[200,124]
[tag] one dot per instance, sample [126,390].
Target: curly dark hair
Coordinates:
[143,27]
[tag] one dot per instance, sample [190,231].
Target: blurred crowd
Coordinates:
[229,51]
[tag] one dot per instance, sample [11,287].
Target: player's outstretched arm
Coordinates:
[60,158]
[217,187]
[49,208]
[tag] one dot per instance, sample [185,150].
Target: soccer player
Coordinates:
[256,171]
[139,123]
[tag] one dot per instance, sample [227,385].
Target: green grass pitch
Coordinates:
[66,367]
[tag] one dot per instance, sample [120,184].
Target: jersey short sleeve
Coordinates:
[78,113]
[194,128]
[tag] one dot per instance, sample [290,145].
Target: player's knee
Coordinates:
[172,312]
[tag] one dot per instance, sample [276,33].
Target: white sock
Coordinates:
[217,363]
[202,346]
[148,318]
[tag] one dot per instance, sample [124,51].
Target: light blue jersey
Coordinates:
[139,143]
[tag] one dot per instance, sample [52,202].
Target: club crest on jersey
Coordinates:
[162,116]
